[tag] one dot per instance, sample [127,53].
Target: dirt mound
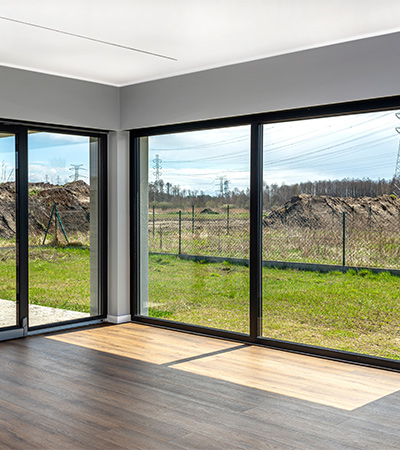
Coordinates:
[208,211]
[312,210]
[73,205]
[7,210]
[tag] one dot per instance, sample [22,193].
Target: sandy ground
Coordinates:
[38,315]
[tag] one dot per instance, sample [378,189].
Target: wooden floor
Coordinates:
[133,386]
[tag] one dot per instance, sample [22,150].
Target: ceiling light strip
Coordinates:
[158,55]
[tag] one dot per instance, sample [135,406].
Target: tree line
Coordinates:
[167,195]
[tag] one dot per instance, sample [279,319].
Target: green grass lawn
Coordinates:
[212,295]
[353,312]
[58,277]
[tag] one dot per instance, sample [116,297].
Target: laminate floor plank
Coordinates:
[133,386]
[197,442]
[252,367]
[134,439]
[146,348]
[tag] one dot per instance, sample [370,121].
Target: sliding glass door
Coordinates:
[284,228]
[13,236]
[52,222]
[331,232]
[8,231]
[63,227]
[194,230]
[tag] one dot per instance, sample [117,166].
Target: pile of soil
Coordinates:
[7,210]
[311,210]
[73,204]
[208,211]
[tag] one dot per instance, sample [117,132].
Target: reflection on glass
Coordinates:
[331,203]
[63,230]
[8,309]
[195,227]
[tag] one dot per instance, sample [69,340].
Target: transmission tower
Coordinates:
[226,187]
[46,178]
[157,169]
[76,168]
[396,177]
[222,186]
[58,179]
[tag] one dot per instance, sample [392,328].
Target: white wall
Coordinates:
[118,228]
[351,71]
[35,97]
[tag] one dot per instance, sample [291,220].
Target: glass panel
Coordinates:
[195,227]
[63,227]
[8,305]
[331,204]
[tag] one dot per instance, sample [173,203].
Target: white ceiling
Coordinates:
[199,34]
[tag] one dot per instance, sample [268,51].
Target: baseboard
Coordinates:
[119,319]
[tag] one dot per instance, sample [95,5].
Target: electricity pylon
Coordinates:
[157,169]
[76,168]
[396,177]
[222,186]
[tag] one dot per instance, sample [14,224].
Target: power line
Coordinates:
[270,147]
[321,132]
[205,145]
[320,150]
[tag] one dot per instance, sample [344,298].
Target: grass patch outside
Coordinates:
[58,277]
[198,293]
[354,311]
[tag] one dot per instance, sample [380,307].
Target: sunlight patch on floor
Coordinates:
[330,383]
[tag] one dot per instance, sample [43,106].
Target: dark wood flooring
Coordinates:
[133,386]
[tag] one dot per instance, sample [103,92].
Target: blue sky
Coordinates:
[49,154]
[353,146]
[197,160]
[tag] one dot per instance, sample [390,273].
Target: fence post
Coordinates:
[227,219]
[180,232]
[344,239]
[160,237]
[192,219]
[154,222]
[285,212]
[55,225]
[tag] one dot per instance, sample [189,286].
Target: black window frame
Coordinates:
[22,283]
[256,122]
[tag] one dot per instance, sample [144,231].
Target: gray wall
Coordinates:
[30,96]
[356,70]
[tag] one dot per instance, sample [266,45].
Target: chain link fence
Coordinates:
[59,224]
[341,238]
[202,232]
[338,238]
[75,222]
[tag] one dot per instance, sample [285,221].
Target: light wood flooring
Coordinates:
[133,386]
